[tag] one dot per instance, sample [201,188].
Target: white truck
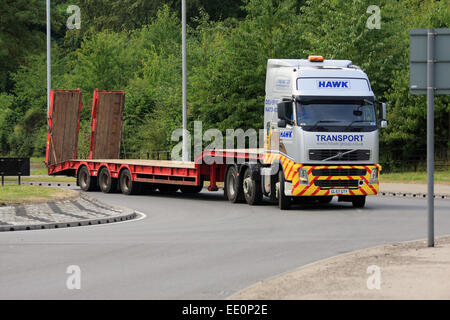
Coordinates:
[321,136]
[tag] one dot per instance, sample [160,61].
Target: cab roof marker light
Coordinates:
[315,58]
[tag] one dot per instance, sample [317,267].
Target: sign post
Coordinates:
[430,134]
[430,48]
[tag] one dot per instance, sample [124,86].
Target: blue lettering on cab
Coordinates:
[339,138]
[286,134]
[333,84]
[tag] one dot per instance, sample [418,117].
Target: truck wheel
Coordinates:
[167,188]
[284,202]
[359,201]
[192,189]
[105,182]
[233,188]
[127,185]
[252,189]
[85,180]
[325,199]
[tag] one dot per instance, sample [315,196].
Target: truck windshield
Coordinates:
[336,116]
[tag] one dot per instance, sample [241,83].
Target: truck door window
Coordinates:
[290,113]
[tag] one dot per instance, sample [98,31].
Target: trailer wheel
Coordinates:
[359,201]
[233,187]
[252,189]
[192,189]
[85,180]
[127,185]
[105,182]
[284,202]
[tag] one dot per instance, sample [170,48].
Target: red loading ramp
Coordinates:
[63,126]
[107,119]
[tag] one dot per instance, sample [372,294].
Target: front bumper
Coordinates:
[352,180]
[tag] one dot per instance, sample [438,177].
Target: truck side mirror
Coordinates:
[281,123]
[382,114]
[383,123]
[383,111]
[285,112]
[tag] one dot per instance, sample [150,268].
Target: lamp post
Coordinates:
[49,67]
[185,149]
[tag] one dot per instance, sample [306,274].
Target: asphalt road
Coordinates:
[199,247]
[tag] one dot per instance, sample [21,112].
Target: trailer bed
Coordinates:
[141,162]
[192,173]
[103,162]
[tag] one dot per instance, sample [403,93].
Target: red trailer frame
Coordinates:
[153,171]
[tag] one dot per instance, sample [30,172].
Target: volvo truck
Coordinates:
[322,121]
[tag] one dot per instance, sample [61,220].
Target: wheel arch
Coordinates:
[81,165]
[122,168]
[103,165]
[255,170]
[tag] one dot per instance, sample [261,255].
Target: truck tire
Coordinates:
[192,189]
[274,168]
[252,189]
[105,182]
[359,201]
[85,180]
[127,185]
[284,202]
[233,187]
[168,188]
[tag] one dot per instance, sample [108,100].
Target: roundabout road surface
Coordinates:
[199,246]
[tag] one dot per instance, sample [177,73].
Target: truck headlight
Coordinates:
[374,176]
[303,177]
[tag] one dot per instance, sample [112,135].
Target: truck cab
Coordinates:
[321,122]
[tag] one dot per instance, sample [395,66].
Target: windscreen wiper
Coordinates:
[323,121]
[355,121]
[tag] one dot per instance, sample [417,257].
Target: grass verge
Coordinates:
[53,179]
[441,177]
[15,194]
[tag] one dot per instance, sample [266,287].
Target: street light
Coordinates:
[49,67]
[185,150]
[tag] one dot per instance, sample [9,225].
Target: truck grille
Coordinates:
[322,154]
[336,183]
[339,172]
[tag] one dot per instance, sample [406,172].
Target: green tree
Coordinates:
[407,113]
[227,88]
[7,117]
[153,104]
[21,33]
[337,29]
[27,112]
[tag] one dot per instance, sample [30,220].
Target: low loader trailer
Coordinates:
[321,140]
